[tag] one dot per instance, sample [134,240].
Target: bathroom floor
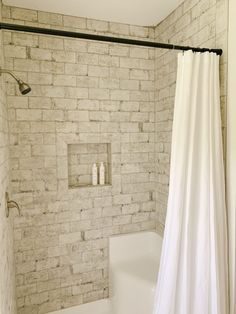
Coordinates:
[98,307]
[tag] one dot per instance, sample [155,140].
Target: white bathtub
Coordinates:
[98,307]
[134,263]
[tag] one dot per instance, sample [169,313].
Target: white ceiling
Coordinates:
[136,12]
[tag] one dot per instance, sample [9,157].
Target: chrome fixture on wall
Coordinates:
[23,87]
[10,204]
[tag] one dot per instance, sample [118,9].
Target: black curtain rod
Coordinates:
[127,41]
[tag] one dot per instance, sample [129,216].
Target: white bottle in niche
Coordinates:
[94,174]
[101,174]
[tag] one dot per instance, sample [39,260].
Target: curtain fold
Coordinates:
[193,270]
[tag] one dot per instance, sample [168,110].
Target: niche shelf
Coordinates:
[81,158]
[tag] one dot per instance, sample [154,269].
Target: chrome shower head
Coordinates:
[23,87]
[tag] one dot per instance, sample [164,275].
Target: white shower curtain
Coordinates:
[193,270]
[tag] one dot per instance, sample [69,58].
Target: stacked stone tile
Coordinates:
[7,275]
[84,92]
[198,23]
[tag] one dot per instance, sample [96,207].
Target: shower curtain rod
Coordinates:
[127,41]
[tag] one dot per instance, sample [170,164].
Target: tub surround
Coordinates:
[197,23]
[133,268]
[88,93]
[7,276]
[84,94]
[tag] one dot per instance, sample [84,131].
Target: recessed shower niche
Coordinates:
[82,157]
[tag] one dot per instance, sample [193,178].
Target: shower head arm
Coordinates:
[23,87]
[9,72]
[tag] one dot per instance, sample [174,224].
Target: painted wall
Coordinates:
[7,274]
[231,153]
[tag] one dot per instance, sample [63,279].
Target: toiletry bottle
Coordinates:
[94,174]
[101,174]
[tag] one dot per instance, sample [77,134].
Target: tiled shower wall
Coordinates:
[200,23]
[83,92]
[7,276]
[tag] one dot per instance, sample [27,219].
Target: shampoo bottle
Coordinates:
[94,174]
[101,174]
